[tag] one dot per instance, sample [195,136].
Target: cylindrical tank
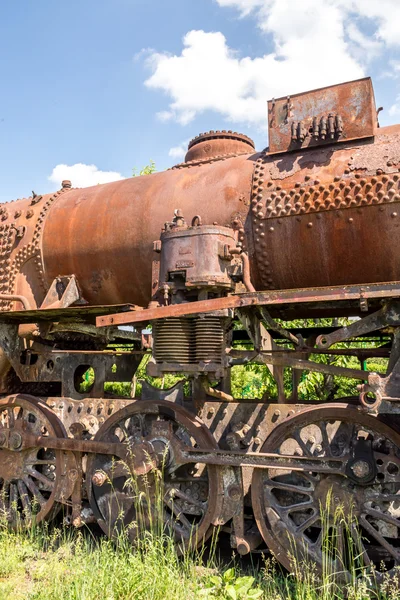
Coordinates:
[104,235]
[316,217]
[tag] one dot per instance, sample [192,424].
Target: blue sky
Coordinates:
[92,88]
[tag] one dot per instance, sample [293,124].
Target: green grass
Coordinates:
[45,564]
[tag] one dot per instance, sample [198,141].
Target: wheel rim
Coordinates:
[297,512]
[178,500]
[30,478]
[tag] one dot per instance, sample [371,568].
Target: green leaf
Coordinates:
[229,574]
[245,581]
[231,592]
[255,593]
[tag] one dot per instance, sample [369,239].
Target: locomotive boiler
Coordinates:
[218,255]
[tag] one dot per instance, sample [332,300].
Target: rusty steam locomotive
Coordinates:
[307,228]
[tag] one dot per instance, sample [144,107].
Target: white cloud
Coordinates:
[314,43]
[209,75]
[244,6]
[164,115]
[178,152]
[364,48]
[82,175]
[384,15]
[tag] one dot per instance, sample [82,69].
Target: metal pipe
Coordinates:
[246,272]
[16,298]
[210,391]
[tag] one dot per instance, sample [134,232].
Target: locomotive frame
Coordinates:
[260,469]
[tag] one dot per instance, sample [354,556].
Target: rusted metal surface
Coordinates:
[194,256]
[218,143]
[15,298]
[387,316]
[63,292]
[341,112]
[111,255]
[72,313]
[310,210]
[327,202]
[280,299]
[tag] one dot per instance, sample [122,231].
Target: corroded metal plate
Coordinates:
[336,113]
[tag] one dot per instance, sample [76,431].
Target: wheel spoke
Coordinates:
[380,516]
[174,525]
[34,490]
[286,510]
[178,513]
[303,446]
[40,477]
[122,428]
[174,491]
[340,541]
[387,498]
[11,417]
[379,538]
[23,494]
[41,461]
[325,440]
[13,505]
[308,523]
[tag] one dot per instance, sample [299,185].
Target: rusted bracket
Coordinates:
[63,292]
[388,316]
[262,341]
[272,324]
[241,357]
[384,387]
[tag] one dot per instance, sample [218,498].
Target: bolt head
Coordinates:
[15,440]
[234,493]
[361,469]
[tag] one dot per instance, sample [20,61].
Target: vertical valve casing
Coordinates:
[198,255]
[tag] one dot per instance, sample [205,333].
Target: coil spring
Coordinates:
[209,339]
[174,340]
[187,340]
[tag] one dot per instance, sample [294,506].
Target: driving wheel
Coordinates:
[344,522]
[30,478]
[172,498]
